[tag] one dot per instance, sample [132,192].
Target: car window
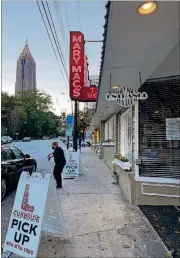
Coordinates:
[18,154]
[6,155]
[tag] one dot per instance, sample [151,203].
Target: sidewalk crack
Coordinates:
[95,232]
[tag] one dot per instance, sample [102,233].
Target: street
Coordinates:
[98,219]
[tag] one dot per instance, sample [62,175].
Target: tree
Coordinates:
[37,106]
[84,120]
[15,120]
[12,114]
[29,114]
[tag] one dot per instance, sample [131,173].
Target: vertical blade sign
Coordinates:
[76,64]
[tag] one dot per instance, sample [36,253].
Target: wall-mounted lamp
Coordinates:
[112,87]
[147,7]
[115,87]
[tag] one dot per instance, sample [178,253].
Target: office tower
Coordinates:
[25,71]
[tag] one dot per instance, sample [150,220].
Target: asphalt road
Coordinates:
[39,150]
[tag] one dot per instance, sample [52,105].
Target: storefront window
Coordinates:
[126,135]
[109,129]
[159,129]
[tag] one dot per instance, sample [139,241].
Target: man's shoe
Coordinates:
[58,187]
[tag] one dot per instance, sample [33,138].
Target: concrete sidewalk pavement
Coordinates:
[99,221]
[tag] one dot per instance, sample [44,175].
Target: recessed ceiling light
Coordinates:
[147,7]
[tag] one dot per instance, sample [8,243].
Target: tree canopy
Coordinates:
[84,120]
[28,113]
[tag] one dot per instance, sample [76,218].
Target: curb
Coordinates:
[167,251]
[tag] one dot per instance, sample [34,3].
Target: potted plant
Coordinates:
[122,162]
[108,140]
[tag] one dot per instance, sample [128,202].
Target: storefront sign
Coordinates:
[79,71]
[126,96]
[89,94]
[27,217]
[76,64]
[69,125]
[88,135]
[172,129]
[69,130]
[71,169]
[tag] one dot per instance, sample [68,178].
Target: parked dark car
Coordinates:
[13,162]
[26,139]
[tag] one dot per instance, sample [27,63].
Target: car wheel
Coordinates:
[83,145]
[3,188]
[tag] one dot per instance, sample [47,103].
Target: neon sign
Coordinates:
[79,89]
[76,64]
[89,94]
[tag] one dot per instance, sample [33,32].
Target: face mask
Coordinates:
[53,148]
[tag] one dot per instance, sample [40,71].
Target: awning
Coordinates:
[134,47]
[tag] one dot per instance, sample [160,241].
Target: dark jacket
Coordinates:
[59,157]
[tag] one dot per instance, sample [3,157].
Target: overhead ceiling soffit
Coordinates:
[106,17]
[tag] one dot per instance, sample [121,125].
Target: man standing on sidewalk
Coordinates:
[60,162]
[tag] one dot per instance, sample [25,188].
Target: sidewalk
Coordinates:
[99,221]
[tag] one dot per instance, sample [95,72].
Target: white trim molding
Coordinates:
[157,180]
[158,194]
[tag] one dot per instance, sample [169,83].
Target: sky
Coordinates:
[21,20]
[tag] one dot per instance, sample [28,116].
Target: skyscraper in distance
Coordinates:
[25,71]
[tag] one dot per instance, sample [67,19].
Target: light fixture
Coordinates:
[115,87]
[147,7]
[100,114]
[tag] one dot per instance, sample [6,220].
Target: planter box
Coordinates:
[123,165]
[111,144]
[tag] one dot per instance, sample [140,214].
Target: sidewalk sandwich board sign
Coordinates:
[71,169]
[36,209]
